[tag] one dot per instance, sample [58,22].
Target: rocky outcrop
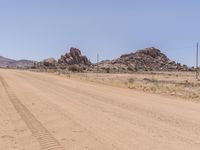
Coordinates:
[74,57]
[49,63]
[149,59]
[72,61]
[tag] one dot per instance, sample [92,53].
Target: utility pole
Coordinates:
[197,61]
[97,63]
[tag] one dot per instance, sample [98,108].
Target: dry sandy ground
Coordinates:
[47,112]
[174,84]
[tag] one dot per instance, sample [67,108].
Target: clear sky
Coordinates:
[37,29]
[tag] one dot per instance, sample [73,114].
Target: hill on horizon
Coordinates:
[11,63]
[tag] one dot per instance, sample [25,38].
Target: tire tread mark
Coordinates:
[43,136]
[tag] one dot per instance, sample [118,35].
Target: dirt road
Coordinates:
[47,112]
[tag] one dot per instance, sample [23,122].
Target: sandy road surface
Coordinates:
[46,112]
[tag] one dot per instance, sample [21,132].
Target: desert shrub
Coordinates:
[107,70]
[84,68]
[146,79]
[75,68]
[131,80]
[32,67]
[130,68]
[154,80]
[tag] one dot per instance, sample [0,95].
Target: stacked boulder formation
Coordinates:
[72,61]
[74,57]
[149,59]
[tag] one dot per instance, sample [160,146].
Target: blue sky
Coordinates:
[37,29]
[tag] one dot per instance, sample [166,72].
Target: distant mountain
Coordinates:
[11,63]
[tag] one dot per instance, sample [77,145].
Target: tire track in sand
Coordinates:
[43,136]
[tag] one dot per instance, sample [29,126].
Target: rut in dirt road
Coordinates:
[44,137]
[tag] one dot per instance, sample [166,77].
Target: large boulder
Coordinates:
[49,62]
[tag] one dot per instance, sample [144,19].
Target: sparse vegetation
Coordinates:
[179,84]
[75,68]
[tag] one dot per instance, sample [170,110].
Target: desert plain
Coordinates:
[141,111]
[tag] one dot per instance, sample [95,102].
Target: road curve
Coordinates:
[40,111]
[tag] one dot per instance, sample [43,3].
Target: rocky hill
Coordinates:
[149,59]
[11,63]
[73,60]
[4,62]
